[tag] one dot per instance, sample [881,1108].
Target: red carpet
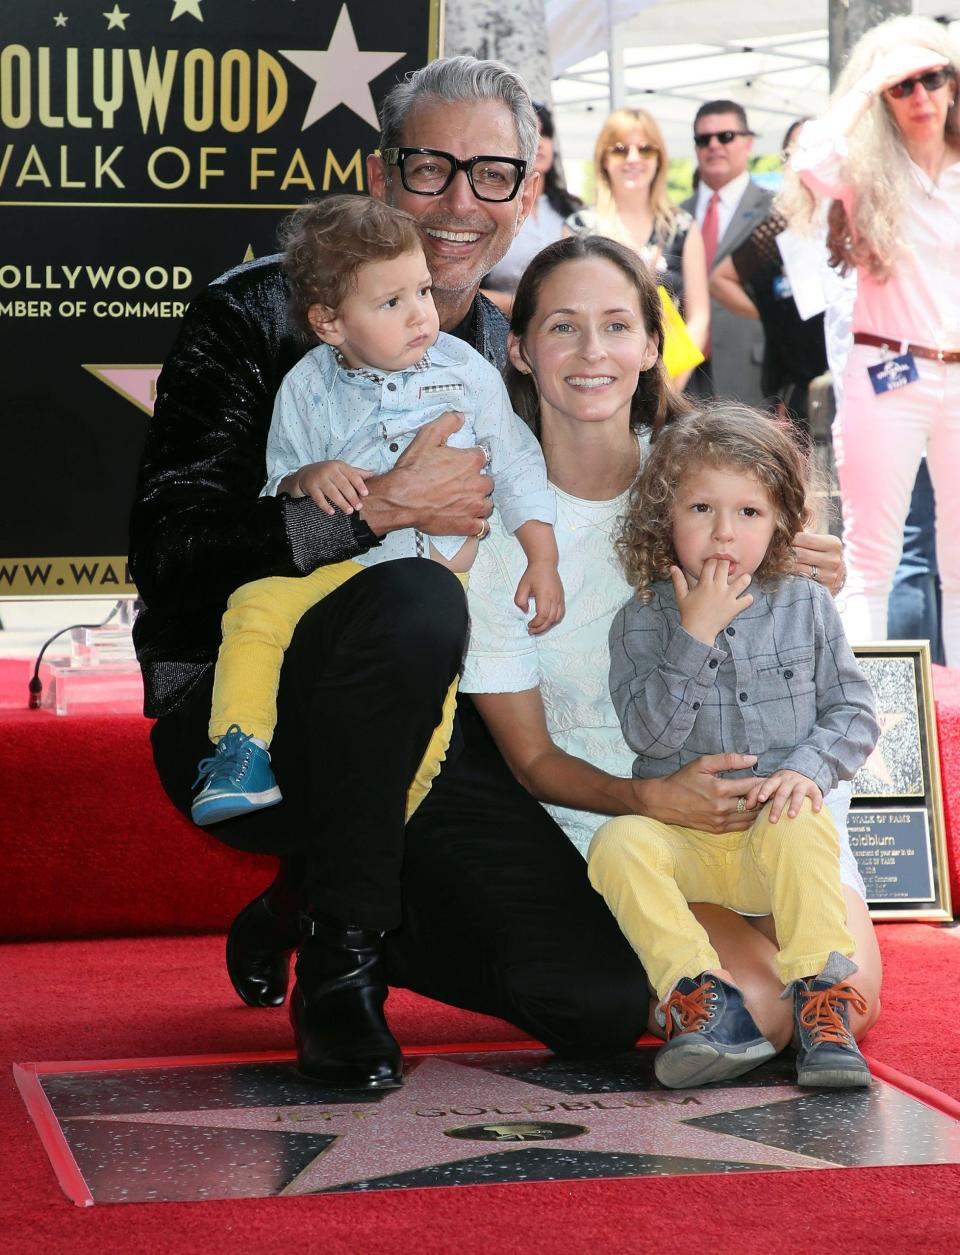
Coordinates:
[122,831]
[89,844]
[118,999]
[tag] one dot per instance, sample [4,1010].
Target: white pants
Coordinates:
[878,442]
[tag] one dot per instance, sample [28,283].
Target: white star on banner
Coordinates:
[192,7]
[116,18]
[60,20]
[342,74]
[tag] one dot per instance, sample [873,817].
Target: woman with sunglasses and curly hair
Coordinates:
[633,207]
[887,154]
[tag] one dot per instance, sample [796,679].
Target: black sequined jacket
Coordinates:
[199,527]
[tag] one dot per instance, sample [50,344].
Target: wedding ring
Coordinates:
[484,531]
[815,573]
[741,805]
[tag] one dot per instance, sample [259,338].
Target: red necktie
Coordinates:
[711,224]
[710,229]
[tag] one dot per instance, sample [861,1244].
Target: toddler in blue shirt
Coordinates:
[345,412]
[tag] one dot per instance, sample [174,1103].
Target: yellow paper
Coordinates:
[680,351]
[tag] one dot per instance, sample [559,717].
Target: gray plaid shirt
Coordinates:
[780,682]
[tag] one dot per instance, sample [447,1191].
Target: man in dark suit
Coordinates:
[727,206]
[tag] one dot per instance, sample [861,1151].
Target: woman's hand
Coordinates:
[896,65]
[694,796]
[821,557]
[697,797]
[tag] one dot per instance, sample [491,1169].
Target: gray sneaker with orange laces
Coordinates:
[711,1036]
[828,1057]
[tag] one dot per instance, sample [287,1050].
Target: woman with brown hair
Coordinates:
[587,374]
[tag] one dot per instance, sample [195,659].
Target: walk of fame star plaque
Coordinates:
[896,822]
[250,1127]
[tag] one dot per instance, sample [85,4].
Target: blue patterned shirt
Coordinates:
[326,410]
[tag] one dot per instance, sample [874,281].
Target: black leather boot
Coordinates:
[336,1008]
[260,942]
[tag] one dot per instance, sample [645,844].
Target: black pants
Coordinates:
[486,903]
[361,690]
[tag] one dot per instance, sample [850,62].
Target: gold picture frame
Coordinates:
[896,821]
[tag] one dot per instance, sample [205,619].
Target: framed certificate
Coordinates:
[896,821]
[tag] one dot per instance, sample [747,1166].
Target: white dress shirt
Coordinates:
[920,301]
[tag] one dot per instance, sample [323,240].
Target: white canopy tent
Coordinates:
[671,55]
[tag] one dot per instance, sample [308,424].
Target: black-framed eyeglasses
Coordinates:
[429,172]
[932,81]
[722,137]
[623,150]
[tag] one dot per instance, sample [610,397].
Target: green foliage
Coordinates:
[680,179]
[766,163]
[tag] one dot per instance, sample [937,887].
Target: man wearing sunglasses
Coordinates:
[365,674]
[727,206]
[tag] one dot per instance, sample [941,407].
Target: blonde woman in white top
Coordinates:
[887,152]
[633,206]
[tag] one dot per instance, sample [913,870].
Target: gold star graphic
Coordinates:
[60,20]
[192,7]
[116,19]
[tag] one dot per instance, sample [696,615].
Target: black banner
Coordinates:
[144,149]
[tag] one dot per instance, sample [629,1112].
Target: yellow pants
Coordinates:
[647,872]
[257,628]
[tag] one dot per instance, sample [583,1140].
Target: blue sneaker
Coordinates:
[711,1036]
[828,1057]
[239,780]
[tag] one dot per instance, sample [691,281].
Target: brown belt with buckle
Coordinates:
[918,350]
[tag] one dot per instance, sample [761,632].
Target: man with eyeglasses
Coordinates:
[727,206]
[364,677]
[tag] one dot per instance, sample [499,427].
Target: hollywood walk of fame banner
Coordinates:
[896,821]
[145,149]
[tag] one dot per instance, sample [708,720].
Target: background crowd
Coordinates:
[878,247]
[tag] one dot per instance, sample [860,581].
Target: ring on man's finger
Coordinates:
[814,572]
[484,531]
[741,805]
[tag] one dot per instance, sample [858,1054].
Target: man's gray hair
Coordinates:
[453,79]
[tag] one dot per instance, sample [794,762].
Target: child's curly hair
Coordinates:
[327,241]
[727,435]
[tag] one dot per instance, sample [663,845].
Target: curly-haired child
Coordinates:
[700,665]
